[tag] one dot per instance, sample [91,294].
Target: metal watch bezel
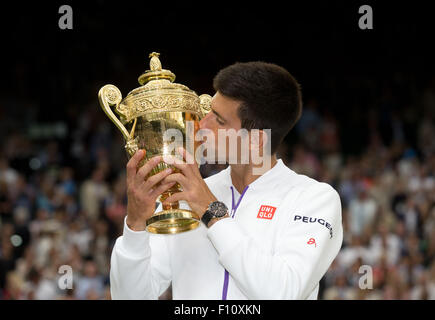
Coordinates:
[217,209]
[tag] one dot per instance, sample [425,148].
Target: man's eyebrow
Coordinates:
[216,113]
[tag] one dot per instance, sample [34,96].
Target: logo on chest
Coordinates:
[266,212]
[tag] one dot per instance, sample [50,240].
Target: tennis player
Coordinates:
[263,236]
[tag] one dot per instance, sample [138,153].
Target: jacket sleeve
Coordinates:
[296,265]
[135,273]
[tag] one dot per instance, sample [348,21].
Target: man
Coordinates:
[268,236]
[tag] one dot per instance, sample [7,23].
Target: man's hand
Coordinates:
[195,190]
[142,193]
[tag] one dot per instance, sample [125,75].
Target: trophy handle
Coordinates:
[205,104]
[109,96]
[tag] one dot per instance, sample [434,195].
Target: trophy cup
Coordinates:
[145,113]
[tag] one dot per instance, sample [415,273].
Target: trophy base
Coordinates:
[172,221]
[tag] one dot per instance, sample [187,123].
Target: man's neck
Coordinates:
[242,174]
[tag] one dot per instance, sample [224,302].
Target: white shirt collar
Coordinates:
[266,180]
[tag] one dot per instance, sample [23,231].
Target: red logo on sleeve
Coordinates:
[312,241]
[266,212]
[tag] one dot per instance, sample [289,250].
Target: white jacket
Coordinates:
[269,253]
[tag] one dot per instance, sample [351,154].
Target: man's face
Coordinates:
[223,114]
[222,117]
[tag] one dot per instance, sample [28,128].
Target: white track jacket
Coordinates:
[283,234]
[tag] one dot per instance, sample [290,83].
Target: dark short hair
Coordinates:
[270,97]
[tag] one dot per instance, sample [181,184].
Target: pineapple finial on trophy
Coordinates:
[155,64]
[156,71]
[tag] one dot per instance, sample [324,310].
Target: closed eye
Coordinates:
[218,117]
[219,121]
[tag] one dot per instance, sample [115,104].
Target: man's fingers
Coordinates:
[186,156]
[189,170]
[177,163]
[190,161]
[176,177]
[160,189]
[146,169]
[133,163]
[174,160]
[175,197]
[154,179]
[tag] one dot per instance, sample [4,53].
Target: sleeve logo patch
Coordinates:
[266,212]
[312,241]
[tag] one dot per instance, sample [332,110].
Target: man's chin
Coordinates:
[207,157]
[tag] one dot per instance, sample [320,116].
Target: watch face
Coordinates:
[218,209]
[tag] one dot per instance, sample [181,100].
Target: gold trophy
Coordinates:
[145,114]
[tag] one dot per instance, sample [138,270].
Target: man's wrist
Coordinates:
[206,204]
[135,225]
[215,210]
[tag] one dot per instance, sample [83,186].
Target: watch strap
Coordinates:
[206,217]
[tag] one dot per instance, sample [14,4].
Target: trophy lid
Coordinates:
[159,93]
[156,72]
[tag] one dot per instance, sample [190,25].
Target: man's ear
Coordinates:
[258,139]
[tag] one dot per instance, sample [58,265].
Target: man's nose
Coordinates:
[203,122]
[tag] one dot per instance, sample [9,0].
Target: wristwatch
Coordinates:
[216,209]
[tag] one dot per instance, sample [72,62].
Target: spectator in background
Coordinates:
[38,287]
[309,125]
[90,285]
[100,246]
[362,211]
[8,175]
[92,193]
[5,202]
[305,162]
[7,259]
[384,245]
[115,204]
[67,183]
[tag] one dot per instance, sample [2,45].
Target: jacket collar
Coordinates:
[266,181]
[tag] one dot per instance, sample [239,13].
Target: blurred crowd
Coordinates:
[388,200]
[63,201]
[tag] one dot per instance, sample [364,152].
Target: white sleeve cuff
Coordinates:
[225,234]
[135,243]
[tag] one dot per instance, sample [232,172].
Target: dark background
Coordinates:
[319,42]
[374,88]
